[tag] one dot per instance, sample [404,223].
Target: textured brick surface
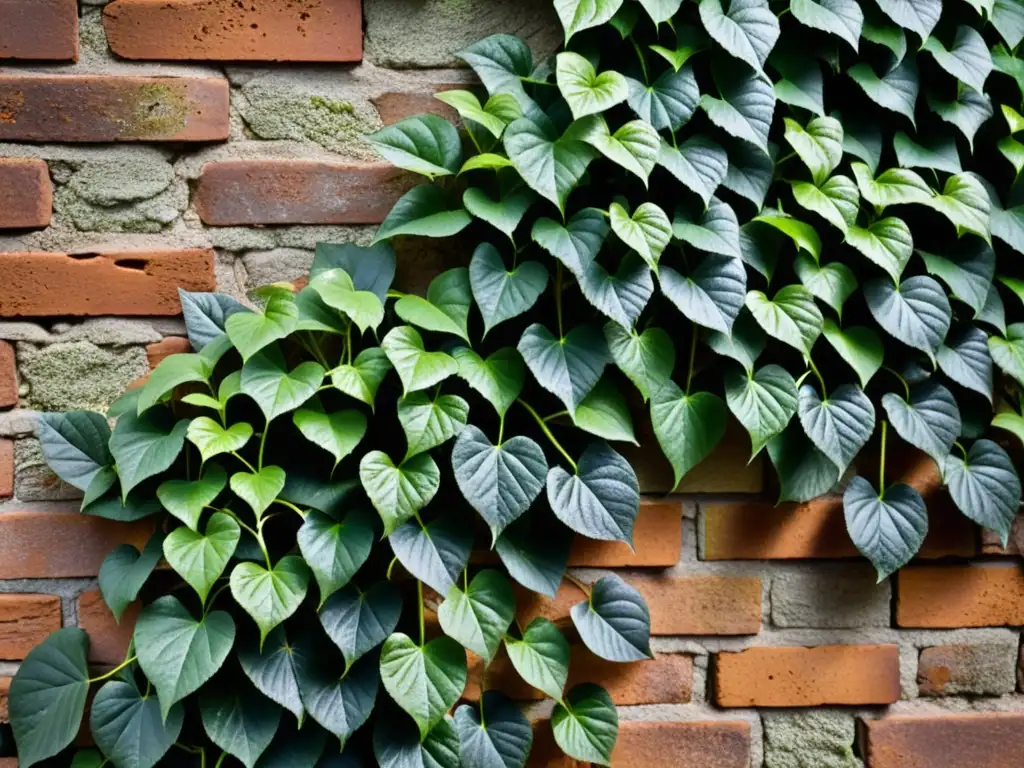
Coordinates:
[991,740]
[328,30]
[694,745]
[297,192]
[108,640]
[961,596]
[75,544]
[808,677]
[831,597]
[126,283]
[5,689]
[657,540]
[8,376]
[25,621]
[99,108]
[981,668]
[158,352]
[6,468]
[39,29]
[26,194]
[398,105]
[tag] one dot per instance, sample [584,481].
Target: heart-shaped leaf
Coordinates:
[600,501]
[551,165]
[715,231]
[239,722]
[499,378]
[128,727]
[535,556]
[429,423]
[205,315]
[712,296]
[968,59]
[334,550]
[500,293]
[804,472]
[478,616]
[968,112]
[201,559]
[144,446]
[843,18]
[74,445]
[586,91]
[764,402]
[896,90]
[968,269]
[272,670]
[669,102]
[172,372]
[341,702]
[277,390]
[541,657]
[186,499]
[833,283]
[887,528]
[497,734]
[748,30]
[614,622]
[661,10]
[337,433]
[337,290]
[747,103]
[417,368]
[372,268]
[1008,19]
[965,202]
[212,439]
[698,163]
[436,553]
[125,570]
[804,236]
[567,367]
[801,84]
[426,144]
[500,61]
[745,345]
[965,358]
[1008,353]
[791,316]
[622,296]
[915,312]
[688,426]
[577,15]
[578,242]
[446,307]
[357,621]
[929,421]
[840,425]
[259,489]
[646,358]
[425,680]
[819,145]
[427,211]
[985,486]
[751,171]
[398,744]
[605,414]
[399,492]
[921,16]
[836,200]
[586,724]
[500,110]
[362,377]
[937,153]
[647,231]
[887,242]
[860,347]
[252,331]
[634,146]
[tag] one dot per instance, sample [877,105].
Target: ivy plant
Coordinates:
[352,487]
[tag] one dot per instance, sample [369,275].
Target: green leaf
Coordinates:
[541,657]
[804,472]
[489,116]
[240,723]
[535,556]
[791,317]
[843,18]
[863,140]
[614,622]
[819,145]
[586,91]
[47,695]
[968,269]
[446,307]
[623,296]
[500,293]
[965,358]
[669,102]
[936,152]
[337,433]
[363,376]
[340,703]
[479,616]
[967,112]
[985,486]
[74,445]
[750,172]
[87,758]
[837,200]
[399,744]
[578,15]
[880,30]
[746,106]
[201,559]
[717,230]
[177,653]
[604,413]
[1013,151]
[372,268]
[840,425]
[647,231]
[205,315]
[427,144]
[314,315]
[712,296]
[601,500]
[567,367]
[748,31]
[417,368]
[968,60]
[646,358]
[929,421]
[125,570]
[1011,422]
[698,163]
[895,91]
[833,283]
[896,186]
[965,202]
[270,596]
[186,499]
[437,553]
[357,620]
[212,439]
[803,235]
[425,680]
[172,372]
[920,16]
[426,211]
[337,290]
[551,165]
[499,378]
[399,492]
[501,61]
[252,331]
[276,390]
[128,727]
[1008,353]
[144,446]
[578,242]
[764,402]
[259,489]
[428,423]
[859,346]
[688,427]
[661,10]
[503,215]
[1008,19]
[887,242]
[801,83]
[500,482]
[690,40]
[497,734]
[335,549]
[744,345]
[915,312]
[887,528]
[586,724]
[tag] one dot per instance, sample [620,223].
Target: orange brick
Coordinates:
[6,468]
[545,753]
[25,621]
[808,677]
[122,283]
[45,30]
[158,352]
[108,640]
[700,744]
[57,545]
[26,194]
[399,105]
[990,740]
[8,376]
[961,596]
[657,538]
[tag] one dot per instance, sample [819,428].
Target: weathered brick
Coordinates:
[6,468]
[45,30]
[8,376]
[158,352]
[226,30]
[54,545]
[713,744]
[978,668]
[991,740]
[5,690]
[808,677]
[657,539]
[831,597]
[398,105]
[108,640]
[961,596]
[297,192]
[101,108]
[26,193]
[679,605]
[25,621]
[545,753]
[124,283]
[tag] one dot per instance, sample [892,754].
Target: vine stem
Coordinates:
[693,357]
[263,443]
[114,671]
[881,465]
[906,387]
[220,759]
[549,436]
[962,449]
[582,586]
[501,430]
[640,56]
[238,456]
[821,379]
[291,506]
[423,622]
[558,296]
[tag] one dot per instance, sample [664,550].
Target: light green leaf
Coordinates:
[746,106]
[896,186]
[887,242]
[479,616]
[417,368]
[541,657]
[567,367]
[186,499]
[499,378]
[604,413]
[500,110]
[764,402]
[259,489]
[888,528]
[586,91]
[586,724]
[551,165]
[212,439]
[833,283]
[837,200]
[690,40]
[803,235]
[791,316]
[270,596]
[1011,422]
[687,426]
[968,60]
[896,91]
[399,492]
[859,346]
[337,433]
[578,15]
[276,390]
[427,144]
[634,146]
[362,377]
[201,559]
[646,358]
[446,307]
[819,145]
[426,211]
[1008,353]
[968,268]
[487,161]
[647,231]
[748,31]
[425,680]
[252,331]
[661,10]
[336,289]
[428,423]
[716,231]
[843,18]
[172,372]
[336,549]
[965,202]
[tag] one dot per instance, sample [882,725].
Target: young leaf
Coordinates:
[500,293]
[335,549]
[688,427]
[888,528]
[605,414]
[985,486]
[803,235]
[426,211]
[586,91]
[399,492]
[965,202]
[819,145]
[337,290]
[424,680]
[427,144]
[435,554]
[578,15]
[896,186]
[586,724]
[277,390]
[1008,353]
[837,200]
[337,433]
[567,367]
[503,215]
[479,616]
[201,559]
[496,735]
[446,307]
[887,242]
[840,425]
[252,331]
[791,316]
[748,30]
[929,421]
[499,378]
[128,727]
[614,621]
[429,423]
[362,377]
[764,402]
[551,165]
[212,439]
[489,116]
[647,231]
[417,368]
[859,346]
[646,358]
[833,283]
[634,146]
[600,501]
[259,489]
[372,268]
[541,657]
[270,596]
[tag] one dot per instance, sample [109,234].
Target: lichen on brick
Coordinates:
[158,110]
[810,739]
[78,374]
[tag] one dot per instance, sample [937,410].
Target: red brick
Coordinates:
[961,596]
[26,194]
[6,468]
[8,762]
[227,30]
[57,545]
[44,30]
[25,621]
[5,690]
[8,376]
[808,677]
[657,539]
[545,753]
[679,605]
[101,108]
[398,105]
[123,283]
[161,350]
[108,640]
[991,740]
[693,745]
[298,192]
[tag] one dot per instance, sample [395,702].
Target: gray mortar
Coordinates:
[109,331]
[278,265]
[810,739]
[78,374]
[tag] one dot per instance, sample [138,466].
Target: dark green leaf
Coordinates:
[748,30]
[929,421]
[614,621]
[840,425]
[896,90]
[968,59]
[551,165]
[436,554]
[357,621]
[669,102]
[186,499]
[967,112]
[916,311]
[843,18]
[646,358]
[341,704]
[859,346]
[934,152]
[398,744]
[712,296]
[272,670]
[888,528]
[206,315]
[601,500]
[985,486]
[578,242]
[698,163]
[746,106]
[921,16]
[128,727]
[239,722]
[622,296]
[804,472]
[497,735]
[567,367]
[750,171]
[334,550]
[125,570]
[145,445]
[536,560]
[500,293]
[425,211]
[965,358]
[428,423]
[426,144]
[75,445]
[372,268]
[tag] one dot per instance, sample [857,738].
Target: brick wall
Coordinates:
[147,145]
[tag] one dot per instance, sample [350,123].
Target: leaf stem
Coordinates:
[881,463]
[906,387]
[291,506]
[348,343]
[501,430]
[962,449]
[314,347]
[114,671]
[557,415]
[693,357]
[263,442]
[238,456]
[220,759]
[210,601]
[423,622]
[821,379]
[582,586]
[640,56]
[558,296]
[549,436]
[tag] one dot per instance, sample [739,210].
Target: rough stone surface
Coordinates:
[21,422]
[34,480]
[278,265]
[832,597]
[812,739]
[107,331]
[78,374]
[705,744]
[6,468]
[982,668]
[8,376]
